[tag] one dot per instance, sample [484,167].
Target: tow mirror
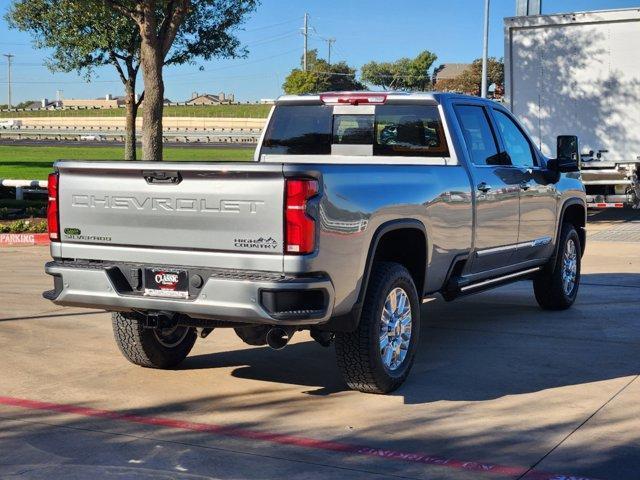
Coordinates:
[567,154]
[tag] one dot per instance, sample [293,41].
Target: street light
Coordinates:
[485,50]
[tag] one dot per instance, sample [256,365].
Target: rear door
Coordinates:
[172,206]
[497,188]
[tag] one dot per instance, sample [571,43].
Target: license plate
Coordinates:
[161,282]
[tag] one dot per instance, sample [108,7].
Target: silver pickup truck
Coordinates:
[357,208]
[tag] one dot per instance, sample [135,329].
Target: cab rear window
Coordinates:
[394,130]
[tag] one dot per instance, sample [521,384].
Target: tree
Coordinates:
[299,82]
[403,74]
[176,32]
[470,80]
[24,104]
[321,77]
[83,39]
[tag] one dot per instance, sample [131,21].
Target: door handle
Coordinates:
[524,186]
[484,187]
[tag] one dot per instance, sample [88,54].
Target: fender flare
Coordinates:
[563,210]
[382,230]
[349,322]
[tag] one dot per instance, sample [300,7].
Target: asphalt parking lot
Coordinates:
[500,389]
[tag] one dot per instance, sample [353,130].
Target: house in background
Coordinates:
[108,101]
[449,71]
[44,103]
[210,99]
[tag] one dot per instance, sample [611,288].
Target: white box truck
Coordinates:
[579,73]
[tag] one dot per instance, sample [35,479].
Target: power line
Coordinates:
[291,20]
[167,77]
[250,62]
[275,38]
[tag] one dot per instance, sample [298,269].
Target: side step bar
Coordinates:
[457,288]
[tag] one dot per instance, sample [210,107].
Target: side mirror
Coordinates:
[567,154]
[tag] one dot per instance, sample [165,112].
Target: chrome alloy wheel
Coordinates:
[171,337]
[395,329]
[569,267]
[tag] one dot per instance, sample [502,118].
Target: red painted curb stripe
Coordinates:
[20,239]
[282,439]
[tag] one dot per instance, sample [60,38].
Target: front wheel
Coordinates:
[151,347]
[377,357]
[556,286]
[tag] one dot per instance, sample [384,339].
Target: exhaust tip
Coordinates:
[278,338]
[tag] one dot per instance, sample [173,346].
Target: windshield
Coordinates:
[394,130]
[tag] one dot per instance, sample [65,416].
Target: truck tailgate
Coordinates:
[227,207]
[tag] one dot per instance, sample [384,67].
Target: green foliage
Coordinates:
[32,203]
[249,110]
[321,77]
[35,212]
[25,104]
[83,35]
[208,30]
[403,74]
[24,226]
[299,82]
[35,163]
[80,34]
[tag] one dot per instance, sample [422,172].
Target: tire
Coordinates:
[360,353]
[552,286]
[148,347]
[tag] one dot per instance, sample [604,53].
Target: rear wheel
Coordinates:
[151,347]
[377,357]
[556,287]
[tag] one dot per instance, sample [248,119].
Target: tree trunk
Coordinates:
[130,122]
[152,59]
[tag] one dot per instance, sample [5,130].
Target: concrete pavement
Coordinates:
[497,382]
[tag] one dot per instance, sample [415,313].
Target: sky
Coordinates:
[364,30]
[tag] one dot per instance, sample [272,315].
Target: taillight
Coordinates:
[52,208]
[300,228]
[355,98]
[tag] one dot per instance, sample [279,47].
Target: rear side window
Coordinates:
[409,130]
[478,136]
[299,130]
[394,130]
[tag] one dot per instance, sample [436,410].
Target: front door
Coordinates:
[538,196]
[497,189]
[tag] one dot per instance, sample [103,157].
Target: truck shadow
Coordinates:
[482,347]
[613,215]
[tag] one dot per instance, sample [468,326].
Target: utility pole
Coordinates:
[330,41]
[9,57]
[485,50]
[305,34]
[528,7]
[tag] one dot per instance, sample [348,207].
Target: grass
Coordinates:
[34,163]
[251,110]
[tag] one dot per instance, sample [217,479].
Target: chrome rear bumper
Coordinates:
[230,297]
